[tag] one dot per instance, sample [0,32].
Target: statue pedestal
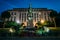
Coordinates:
[30,23]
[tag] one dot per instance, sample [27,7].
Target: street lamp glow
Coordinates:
[42,21]
[17,21]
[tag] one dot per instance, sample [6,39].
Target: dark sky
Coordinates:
[9,4]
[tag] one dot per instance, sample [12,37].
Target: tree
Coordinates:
[58,20]
[10,24]
[48,23]
[53,15]
[5,15]
[39,24]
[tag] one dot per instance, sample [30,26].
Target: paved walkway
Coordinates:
[29,38]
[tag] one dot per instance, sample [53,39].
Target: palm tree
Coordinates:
[5,15]
[53,15]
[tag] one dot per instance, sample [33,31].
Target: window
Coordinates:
[12,13]
[11,18]
[15,13]
[44,13]
[14,18]
[45,17]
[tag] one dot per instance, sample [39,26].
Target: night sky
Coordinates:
[10,4]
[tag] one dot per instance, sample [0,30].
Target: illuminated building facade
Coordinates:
[20,15]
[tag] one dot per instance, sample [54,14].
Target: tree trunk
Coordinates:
[54,22]
[4,23]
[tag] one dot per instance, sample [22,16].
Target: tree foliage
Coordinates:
[5,14]
[53,14]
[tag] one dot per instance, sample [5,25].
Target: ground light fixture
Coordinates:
[46,29]
[11,30]
[41,31]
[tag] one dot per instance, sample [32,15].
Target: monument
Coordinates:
[30,17]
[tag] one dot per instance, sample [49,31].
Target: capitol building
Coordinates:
[29,16]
